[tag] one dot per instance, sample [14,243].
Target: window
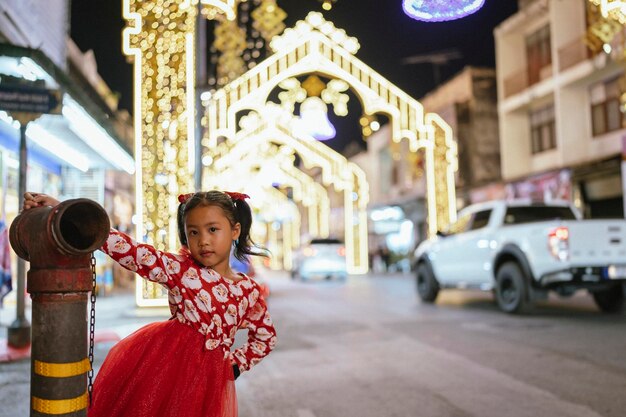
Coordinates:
[542,130]
[480,220]
[606,115]
[537,213]
[538,54]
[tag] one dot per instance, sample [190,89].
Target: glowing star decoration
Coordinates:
[440,10]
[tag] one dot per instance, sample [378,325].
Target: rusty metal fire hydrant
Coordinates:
[58,242]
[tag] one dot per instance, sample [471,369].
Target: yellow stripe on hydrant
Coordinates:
[61,370]
[69,405]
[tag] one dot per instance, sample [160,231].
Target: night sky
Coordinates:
[385,33]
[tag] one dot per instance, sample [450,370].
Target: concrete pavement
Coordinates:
[116,317]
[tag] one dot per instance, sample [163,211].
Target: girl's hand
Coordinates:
[32,200]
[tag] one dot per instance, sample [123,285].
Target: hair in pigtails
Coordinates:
[236,210]
[244,245]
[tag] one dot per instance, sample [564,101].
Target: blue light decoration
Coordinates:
[440,10]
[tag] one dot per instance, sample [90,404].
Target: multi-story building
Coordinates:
[559,87]
[468,103]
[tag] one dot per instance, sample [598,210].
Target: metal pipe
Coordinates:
[58,242]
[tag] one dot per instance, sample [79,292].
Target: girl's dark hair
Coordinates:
[236,211]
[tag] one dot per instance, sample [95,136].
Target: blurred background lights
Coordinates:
[440,10]
[327,4]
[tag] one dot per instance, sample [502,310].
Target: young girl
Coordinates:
[183,367]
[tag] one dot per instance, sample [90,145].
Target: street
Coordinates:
[367,347]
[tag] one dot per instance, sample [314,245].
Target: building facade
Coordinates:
[468,103]
[559,88]
[86,150]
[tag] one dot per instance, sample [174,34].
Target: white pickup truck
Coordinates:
[521,250]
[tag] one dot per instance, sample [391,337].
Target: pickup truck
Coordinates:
[521,250]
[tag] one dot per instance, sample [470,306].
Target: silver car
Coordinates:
[321,258]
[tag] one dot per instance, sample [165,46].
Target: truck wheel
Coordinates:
[512,292]
[610,300]
[427,285]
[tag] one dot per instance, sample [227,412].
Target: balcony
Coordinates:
[515,83]
[571,54]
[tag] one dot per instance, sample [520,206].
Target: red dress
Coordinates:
[182,367]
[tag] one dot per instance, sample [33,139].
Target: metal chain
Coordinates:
[92,324]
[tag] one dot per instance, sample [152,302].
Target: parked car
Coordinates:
[321,258]
[522,250]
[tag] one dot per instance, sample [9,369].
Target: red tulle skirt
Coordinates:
[163,370]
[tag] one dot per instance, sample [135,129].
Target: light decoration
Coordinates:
[605,32]
[316,46]
[440,10]
[230,41]
[612,9]
[314,119]
[260,168]
[275,125]
[268,19]
[313,109]
[159,39]
[328,4]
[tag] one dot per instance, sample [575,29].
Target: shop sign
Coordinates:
[556,185]
[25,99]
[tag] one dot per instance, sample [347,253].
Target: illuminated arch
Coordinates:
[254,173]
[316,46]
[275,125]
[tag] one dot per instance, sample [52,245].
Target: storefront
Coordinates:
[71,153]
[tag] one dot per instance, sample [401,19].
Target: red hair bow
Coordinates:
[237,196]
[183,198]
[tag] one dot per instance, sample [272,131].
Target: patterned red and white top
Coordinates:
[202,298]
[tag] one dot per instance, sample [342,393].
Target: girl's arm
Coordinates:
[141,258]
[150,263]
[261,335]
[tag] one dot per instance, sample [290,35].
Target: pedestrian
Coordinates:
[184,367]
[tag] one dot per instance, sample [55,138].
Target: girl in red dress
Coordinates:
[184,367]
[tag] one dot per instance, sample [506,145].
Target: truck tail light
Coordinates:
[341,251]
[558,243]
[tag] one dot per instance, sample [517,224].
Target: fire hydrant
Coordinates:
[58,242]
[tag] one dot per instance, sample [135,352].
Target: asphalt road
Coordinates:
[368,348]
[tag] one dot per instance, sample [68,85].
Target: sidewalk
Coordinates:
[116,317]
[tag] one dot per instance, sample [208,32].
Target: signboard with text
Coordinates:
[25,99]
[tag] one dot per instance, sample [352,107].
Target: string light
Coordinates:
[159,39]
